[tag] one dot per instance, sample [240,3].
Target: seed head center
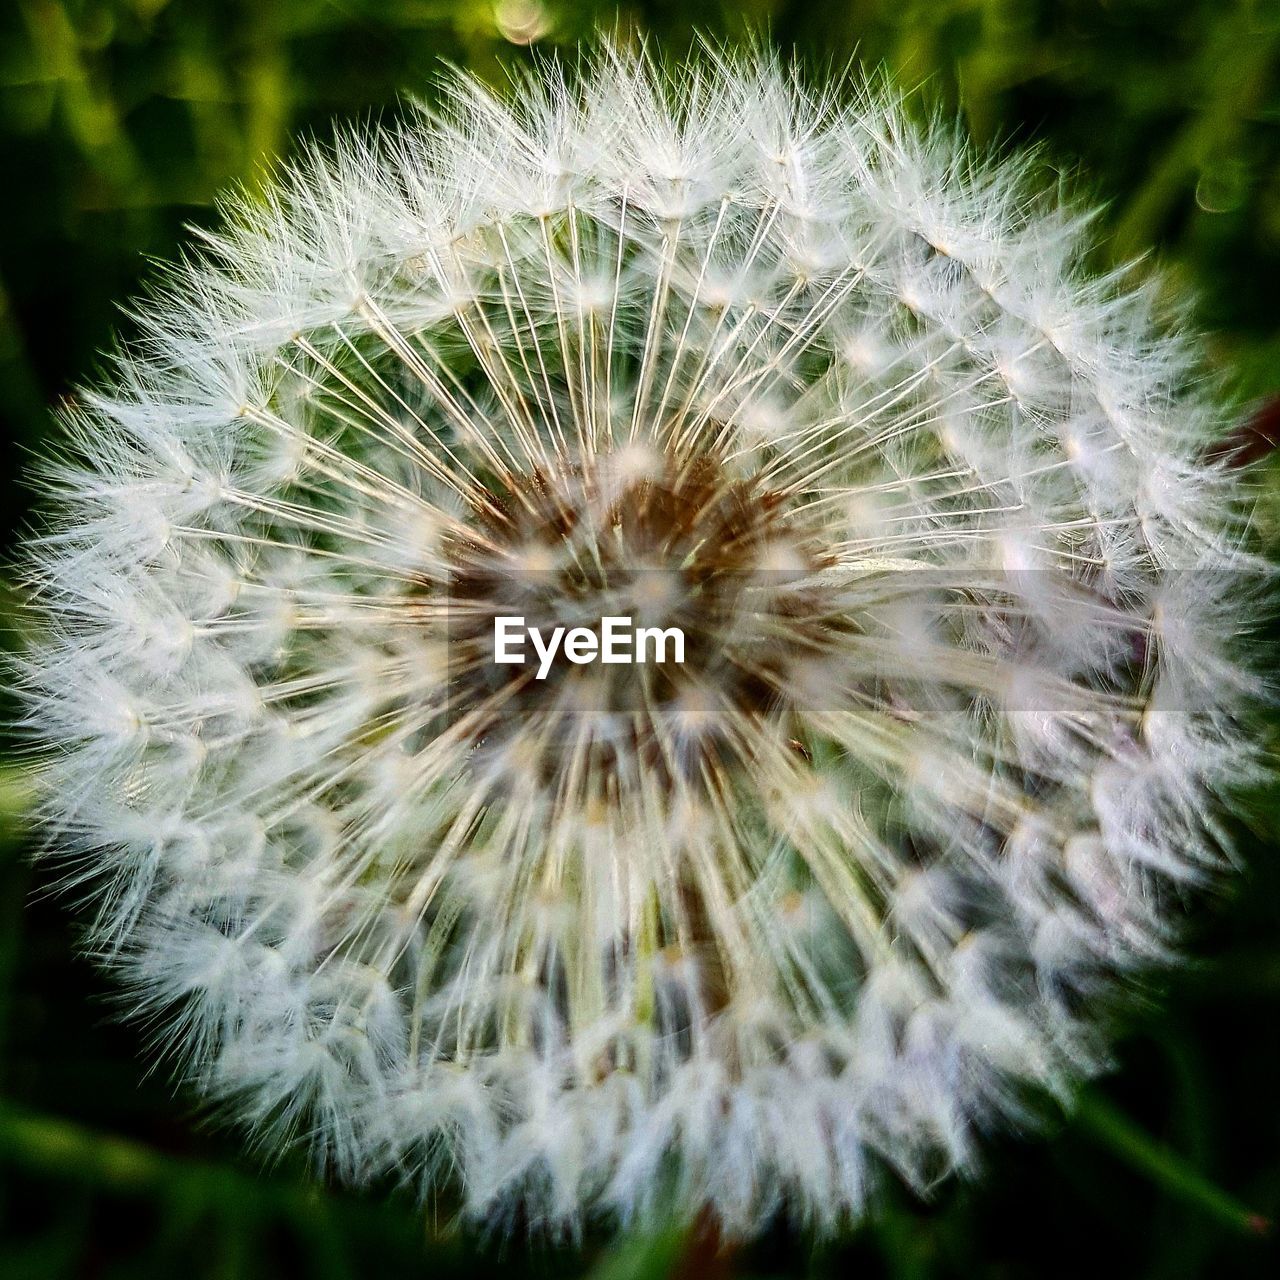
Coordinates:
[669,544]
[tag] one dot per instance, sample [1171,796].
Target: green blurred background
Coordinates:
[120,120]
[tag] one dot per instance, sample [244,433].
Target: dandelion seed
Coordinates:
[706,350]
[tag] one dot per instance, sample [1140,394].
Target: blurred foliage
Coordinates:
[120,120]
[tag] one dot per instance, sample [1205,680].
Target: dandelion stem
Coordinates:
[645,1256]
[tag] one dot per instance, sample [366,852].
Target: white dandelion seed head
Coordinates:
[707,349]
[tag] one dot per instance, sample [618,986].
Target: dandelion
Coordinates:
[707,350]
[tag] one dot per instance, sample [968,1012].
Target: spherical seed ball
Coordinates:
[712,354]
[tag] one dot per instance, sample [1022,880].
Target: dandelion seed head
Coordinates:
[706,349]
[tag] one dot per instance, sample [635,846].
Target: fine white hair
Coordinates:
[964,593]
